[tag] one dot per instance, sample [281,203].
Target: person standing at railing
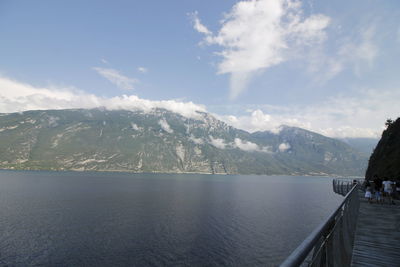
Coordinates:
[368,192]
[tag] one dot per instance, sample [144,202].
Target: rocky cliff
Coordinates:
[385,160]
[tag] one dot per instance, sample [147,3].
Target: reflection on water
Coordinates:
[75,219]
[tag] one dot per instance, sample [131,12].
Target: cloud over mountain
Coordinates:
[217,142]
[16,96]
[165,126]
[340,116]
[249,146]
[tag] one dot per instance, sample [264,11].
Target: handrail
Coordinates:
[342,186]
[302,251]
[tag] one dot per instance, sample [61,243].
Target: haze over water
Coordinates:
[92,219]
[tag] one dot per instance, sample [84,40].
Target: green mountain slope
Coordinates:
[162,141]
[365,145]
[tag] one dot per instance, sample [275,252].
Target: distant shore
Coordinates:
[171,172]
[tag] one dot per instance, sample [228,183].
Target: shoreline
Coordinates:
[163,172]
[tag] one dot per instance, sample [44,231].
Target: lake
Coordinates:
[124,219]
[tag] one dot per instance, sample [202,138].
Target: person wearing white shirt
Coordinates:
[387,189]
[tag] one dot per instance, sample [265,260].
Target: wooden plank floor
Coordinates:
[377,240]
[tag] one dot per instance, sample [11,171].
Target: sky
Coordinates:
[327,66]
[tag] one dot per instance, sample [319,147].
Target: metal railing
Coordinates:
[331,243]
[342,186]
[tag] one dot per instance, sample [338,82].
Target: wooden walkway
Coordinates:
[377,239]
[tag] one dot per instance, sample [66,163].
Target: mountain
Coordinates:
[365,145]
[163,141]
[308,151]
[385,160]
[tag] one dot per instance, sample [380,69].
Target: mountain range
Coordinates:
[164,141]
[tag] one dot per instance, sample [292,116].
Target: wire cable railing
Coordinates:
[331,243]
[342,186]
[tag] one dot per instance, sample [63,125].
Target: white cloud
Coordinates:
[142,69]
[323,68]
[134,126]
[195,140]
[121,81]
[249,146]
[361,54]
[360,116]
[197,25]
[246,145]
[284,147]
[256,121]
[358,53]
[238,143]
[368,50]
[217,142]
[104,61]
[258,34]
[165,126]
[16,96]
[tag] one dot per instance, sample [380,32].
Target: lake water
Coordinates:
[122,219]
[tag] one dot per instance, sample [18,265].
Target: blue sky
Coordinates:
[328,66]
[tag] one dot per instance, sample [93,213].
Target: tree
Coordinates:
[388,122]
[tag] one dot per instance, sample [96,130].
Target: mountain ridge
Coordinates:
[163,141]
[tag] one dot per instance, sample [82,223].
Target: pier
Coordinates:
[357,233]
[377,238]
